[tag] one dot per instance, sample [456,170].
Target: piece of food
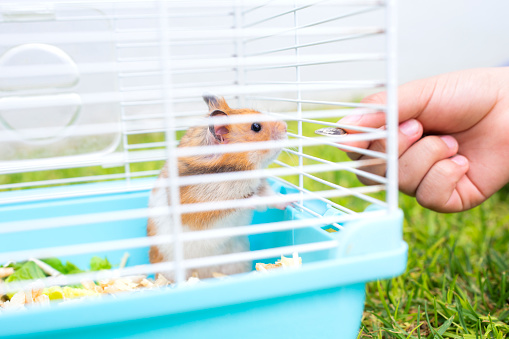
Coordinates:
[264,267]
[294,261]
[284,262]
[27,271]
[46,268]
[73,293]
[17,302]
[89,284]
[135,278]
[120,285]
[6,271]
[54,292]
[36,294]
[98,263]
[331,131]
[219,275]
[161,281]
[42,300]
[123,262]
[146,283]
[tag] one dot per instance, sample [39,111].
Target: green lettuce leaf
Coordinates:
[16,265]
[97,264]
[56,264]
[29,270]
[70,268]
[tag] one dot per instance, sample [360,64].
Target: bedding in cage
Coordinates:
[95,95]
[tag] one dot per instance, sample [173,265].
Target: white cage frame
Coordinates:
[167,95]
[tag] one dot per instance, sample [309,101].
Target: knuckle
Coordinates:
[423,198]
[354,156]
[438,205]
[435,145]
[445,169]
[377,98]
[376,169]
[366,181]
[437,188]
[407,183]
[430,201]
[378,145]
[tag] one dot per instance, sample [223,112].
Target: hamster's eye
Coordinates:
[256,127]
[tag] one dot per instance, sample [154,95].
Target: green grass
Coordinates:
[456,283]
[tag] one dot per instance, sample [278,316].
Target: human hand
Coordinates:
[464,156]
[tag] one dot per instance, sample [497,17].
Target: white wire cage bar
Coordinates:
[120,88]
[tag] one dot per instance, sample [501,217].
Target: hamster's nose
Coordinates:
[283,127]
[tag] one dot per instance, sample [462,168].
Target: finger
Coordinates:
[418,160]
[441,189]
[357,120]
[373,120]
[409,132]
[449,103]
[413,98]
[372,145]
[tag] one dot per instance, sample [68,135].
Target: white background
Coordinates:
[438,36]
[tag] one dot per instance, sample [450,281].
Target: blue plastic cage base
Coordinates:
[322,299]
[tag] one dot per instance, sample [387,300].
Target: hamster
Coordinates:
[241,189]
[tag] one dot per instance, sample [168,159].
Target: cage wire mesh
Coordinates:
[95,96]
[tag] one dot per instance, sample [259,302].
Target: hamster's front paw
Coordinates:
[263,208]
[281,205]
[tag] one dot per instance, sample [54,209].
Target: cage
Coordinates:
[94,98]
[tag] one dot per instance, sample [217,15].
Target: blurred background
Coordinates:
[438,36]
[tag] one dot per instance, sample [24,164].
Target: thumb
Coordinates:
[446,187]
[373,120]
[413,98]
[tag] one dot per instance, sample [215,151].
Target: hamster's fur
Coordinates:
[207,192]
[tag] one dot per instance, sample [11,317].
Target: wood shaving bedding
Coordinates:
[284,262]
[37,295]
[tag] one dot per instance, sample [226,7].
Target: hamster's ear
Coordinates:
[218,131]
[215,102]
[211,100]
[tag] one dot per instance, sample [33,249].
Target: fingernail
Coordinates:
[449,141]
[350,119]
[409,127]
[460,160]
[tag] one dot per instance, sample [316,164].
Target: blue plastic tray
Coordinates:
[323,299]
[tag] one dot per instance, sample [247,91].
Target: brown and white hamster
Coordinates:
[208,192]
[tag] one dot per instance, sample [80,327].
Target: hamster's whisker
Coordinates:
[291,157]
